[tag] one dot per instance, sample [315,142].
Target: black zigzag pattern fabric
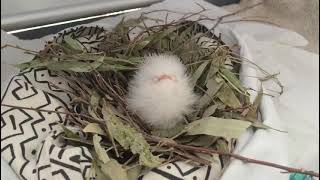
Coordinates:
[31,140]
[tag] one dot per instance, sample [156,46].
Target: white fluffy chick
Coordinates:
[160,91]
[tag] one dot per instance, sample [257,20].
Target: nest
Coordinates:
[117,138]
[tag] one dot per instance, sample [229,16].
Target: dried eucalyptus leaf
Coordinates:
[222,146]
[229,128]
[130,61]
[101,152]
[79,141]
[94,103]
[74,44]
[185,139]
[92,113]
[153,38]
[165,33]
[75,66]
[196,75]
[134,173]
[252,114]
[142,44]
[116,67]
[94,128]
[129,138]
[33,64]
[213,88]
[168,132]
[92,173]
[210,110]
[95,99]
[233,115]
[233,80]
[214,68]
[260,125]
[101,175]
[114,170]
[68,133]
[227,96]
[203,141]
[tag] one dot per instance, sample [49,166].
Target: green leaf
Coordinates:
[101,152]
[114,170]
[233,81]
[196,75]
[227,96]
[94,128]
[229,128]
[210,110]
[74,44]
[129,138]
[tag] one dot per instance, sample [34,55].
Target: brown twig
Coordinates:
[251,20]
[236,156]
[18,47]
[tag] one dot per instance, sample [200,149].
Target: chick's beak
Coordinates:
[164,77]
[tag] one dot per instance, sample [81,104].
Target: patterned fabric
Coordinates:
[31,140]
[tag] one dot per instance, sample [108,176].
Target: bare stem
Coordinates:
[236,156]
[18,47]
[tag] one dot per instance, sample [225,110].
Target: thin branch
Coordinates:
[236,156]
[251,20]
[20,48]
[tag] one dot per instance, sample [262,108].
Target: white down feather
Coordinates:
[160,91]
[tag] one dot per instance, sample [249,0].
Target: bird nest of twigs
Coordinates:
[118,139]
